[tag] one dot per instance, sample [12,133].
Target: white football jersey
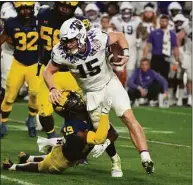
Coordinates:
[7,48]
[128,28]
[91,70]
[96,23]
[188,40]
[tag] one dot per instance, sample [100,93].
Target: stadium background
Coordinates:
[168,133]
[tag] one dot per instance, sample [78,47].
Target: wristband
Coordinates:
[126,52]
[51,88]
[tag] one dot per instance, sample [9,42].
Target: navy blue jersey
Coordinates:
[49,26]
[25,40]
[75,151]
[74,126]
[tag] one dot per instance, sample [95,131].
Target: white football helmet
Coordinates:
[179,19]
[7,10]
[72,29]
[91,12]
[174,8]
[126,10]
[78,12]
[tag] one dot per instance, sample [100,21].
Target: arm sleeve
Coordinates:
[100,135]
[161,80]
[131,82]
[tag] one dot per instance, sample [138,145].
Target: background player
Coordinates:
[50,21]
[186,33]
[7,10]
[25,37]
[128,23]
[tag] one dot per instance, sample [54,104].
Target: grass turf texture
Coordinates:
[172,163]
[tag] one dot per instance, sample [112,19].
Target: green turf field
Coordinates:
[168,132]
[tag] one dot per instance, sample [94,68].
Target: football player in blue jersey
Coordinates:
[50,21]
[79,138]
[24,34]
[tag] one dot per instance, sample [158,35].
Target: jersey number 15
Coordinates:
[92,71]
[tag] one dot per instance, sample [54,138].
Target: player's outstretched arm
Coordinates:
[50,69]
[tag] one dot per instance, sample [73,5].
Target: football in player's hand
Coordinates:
[115,51]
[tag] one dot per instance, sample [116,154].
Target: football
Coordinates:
[115,50]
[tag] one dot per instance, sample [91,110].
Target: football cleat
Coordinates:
[3,130]
[23,157]
[116,170]
[6,164]
[148,166]
[31,126]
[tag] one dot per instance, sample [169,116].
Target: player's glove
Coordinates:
[99,149]
[147,163]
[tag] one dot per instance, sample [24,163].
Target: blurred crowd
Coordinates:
[151,29]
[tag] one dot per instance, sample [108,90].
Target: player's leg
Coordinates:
[28,167]
[116,170]
[121,105]
[45,109]
[14,82]
[33,83]
[189,79]
[6,61]
[25,158]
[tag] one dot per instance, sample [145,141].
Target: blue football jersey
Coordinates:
[25,40]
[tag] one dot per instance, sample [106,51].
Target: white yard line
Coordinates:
[18,181]
[159,142]
[164,111]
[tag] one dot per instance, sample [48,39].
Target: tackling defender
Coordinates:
[85,54]
[25,37]
[79,138]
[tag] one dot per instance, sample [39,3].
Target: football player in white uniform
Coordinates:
[148,24]
[176,72]
[174,8]
[7,10]
[92,13]
[85,54]
[186,33]
[127,23]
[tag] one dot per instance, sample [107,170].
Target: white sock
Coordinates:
[115,158]
[31,158]
[13,167]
